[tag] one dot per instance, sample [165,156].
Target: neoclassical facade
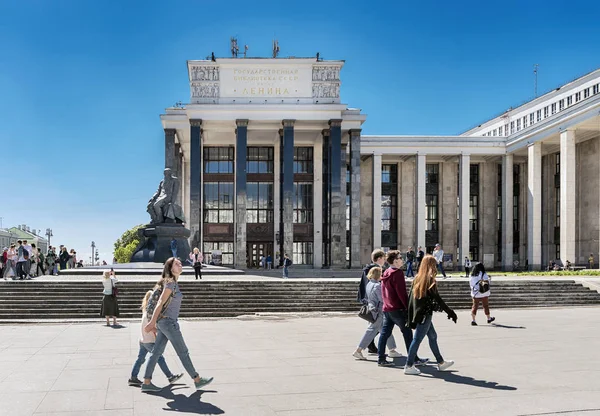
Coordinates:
[273,162]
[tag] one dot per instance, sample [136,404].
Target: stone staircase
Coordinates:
[39,300]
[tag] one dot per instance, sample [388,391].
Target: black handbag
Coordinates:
[365,312]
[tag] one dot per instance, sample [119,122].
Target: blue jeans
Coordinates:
[389,320]
[168,330]
[409,269]
[174,252]
[372,331]
[440,267]
[285,271]
[424,328]
[144,350]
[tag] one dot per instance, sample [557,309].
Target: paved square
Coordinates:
[533,362]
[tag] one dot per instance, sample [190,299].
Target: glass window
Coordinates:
[518,124]
[389,212]
[303,160]
[389,173]
[219,159]
[473,212]
[577,97]
[557,163]
[586,93]
[303,202]
[538,115]
[553,107]
[218,202]
[546,112]
[259,160]
[259,204]
[494,132]
[226,249]
[474,174]
[561,105]
[431,212]
[512,127]
[569,100]
[506,129]
[431,173]
[596,89]
[303,252]
[500,133]
[531,119]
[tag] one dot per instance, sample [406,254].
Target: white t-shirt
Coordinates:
[108,285]
[146,337]
[438,255]
[475,286]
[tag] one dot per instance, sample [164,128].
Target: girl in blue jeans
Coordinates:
[166,327]
[147,341]
[423,300]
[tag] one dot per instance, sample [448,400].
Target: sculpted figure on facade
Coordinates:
[205,73]
[163,206]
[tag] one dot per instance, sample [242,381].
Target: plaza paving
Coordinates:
[533,362]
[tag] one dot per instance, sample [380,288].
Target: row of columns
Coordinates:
[329,175]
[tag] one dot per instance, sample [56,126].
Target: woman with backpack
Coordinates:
[423,300]
[110,304]
[480,292]
[164,314]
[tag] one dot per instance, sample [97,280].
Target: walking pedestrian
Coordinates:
[480,292]
[424,299]
[591,260]
[377,260]
[420,255]
[438,254]
[72,259]
[395,306]
[51,261]
[410,258]
[110,303]
[375,302]
[173,246]
[40,269]
[146,343]
[63,258]
[166,327]
[196,258]
[11,264]
[3,261]
[27,255]
[467,264]
[287,262]
[269,262]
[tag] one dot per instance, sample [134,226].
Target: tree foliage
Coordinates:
[126,244]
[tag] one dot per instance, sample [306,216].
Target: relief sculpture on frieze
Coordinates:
[205,73]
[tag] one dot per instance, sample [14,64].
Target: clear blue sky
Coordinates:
[82,83]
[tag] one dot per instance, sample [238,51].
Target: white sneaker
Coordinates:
[445,365]
[358,355]
[394,354]
[412,370]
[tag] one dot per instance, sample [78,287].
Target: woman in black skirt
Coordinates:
[110,304]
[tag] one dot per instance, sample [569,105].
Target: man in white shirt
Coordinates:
[438,254]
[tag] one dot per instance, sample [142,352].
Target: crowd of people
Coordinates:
[382,290]
[22,261]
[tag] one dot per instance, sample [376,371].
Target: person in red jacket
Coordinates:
[395,306]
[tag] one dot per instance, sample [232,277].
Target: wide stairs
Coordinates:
[82,299]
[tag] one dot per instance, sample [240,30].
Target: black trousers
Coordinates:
[198,272]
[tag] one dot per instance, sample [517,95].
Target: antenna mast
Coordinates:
[535,74]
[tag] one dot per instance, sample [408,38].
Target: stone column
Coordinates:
[463,203]
[338,200]
[406,202]
[241,151]
[326,199]
[288,187]
[276,199]
[195,219]
[177,160]
[567,196]
[376,201]
[534,206]
[507,212]
[318,203]
[420,226]
[170,149]
[355,198]
[344,188]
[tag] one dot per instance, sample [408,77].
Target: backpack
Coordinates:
[484,286]
[287,262]
[153,301]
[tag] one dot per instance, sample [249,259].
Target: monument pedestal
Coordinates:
[155,243]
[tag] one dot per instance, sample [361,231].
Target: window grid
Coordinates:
[303,202]
[303,252]
[218,202]
[226,249]
[259,203]
[219,159]
[260,160]
[303,160]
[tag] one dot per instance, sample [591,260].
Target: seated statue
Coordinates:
[163,206]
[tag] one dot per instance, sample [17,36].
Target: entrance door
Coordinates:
[254,251]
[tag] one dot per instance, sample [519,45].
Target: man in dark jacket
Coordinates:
[410,259]
[378,260]
[420,255]
[395,306]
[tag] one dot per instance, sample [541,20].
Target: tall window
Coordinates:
[518,124]
[531,119]
[506,129]
[259,160]
[303,252]
[259,208]
[389,210]
[473,212]
[226,249]
[303,160]
[577,97]
[218,202]
[553,107]
[561,105]
[303,202]
[538,115]
[219,159]
[569,100]
[512,127]
[525,122]
[432,173]
[516,193]
[596,89]
[431,212]
[557,190]
[586,93]
[546,112]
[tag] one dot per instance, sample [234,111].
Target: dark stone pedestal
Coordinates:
[155,243]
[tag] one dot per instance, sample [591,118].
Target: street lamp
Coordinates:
[49,234]
[93,251]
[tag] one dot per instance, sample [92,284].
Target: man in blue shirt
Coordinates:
[174,247]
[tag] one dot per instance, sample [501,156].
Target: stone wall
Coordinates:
[587,208]
[366,209]
[447,209]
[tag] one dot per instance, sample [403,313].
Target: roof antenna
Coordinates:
[275,48]
[535,74]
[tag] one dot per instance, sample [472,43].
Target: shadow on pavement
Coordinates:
[506,326]
[118,326]
[454,377]
[188,404]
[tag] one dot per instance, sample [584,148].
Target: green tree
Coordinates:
[126,244]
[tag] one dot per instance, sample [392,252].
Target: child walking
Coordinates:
[146,345]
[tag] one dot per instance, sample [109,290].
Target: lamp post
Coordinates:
[49,234]
[93,251]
